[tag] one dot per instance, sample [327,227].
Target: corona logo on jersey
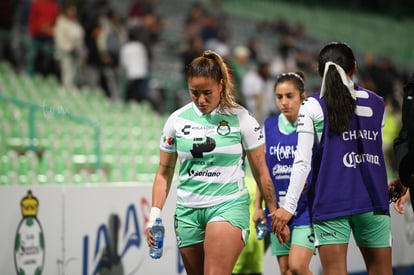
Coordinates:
[352,159]
[29,243]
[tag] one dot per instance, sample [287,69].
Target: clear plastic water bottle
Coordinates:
[261,230]
[157,232]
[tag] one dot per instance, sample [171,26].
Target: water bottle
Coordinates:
[261,230]
[157,232]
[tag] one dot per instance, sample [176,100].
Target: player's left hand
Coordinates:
[280,218]
[396,190]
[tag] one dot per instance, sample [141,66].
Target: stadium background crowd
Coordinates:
[80,45]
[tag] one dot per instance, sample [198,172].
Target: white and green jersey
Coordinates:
[210,149]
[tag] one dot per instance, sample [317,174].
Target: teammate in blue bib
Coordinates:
[340,137]
[295,255]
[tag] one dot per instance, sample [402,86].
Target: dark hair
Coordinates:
[339,102]
[298,78]
[211,65]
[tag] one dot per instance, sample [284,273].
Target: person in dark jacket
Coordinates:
[404,149]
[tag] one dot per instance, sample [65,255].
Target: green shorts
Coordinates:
[371,229]
[300,235]
[190,223]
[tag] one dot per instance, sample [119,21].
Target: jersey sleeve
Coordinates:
[310,117]
[168,137]
[310,126]
[251,131]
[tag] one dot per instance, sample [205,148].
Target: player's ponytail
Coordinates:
[336,63]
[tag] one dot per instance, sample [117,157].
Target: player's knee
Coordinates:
[299,268]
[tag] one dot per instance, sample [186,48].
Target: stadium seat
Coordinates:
[5,170]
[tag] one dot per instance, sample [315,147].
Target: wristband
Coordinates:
[154,214]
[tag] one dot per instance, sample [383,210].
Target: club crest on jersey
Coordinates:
[223,129]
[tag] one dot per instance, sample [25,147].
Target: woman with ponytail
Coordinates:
[340,138]
[210,137]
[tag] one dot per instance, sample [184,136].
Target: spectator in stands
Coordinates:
[101,65]
[113,36]
[210,137]
[116,34]
[256,87]
[94,60]
[281,26]
[284,60]
[382,75]
[219,45]
[21,21]
[6,23]
[299,31]
[92,10]
[386,78]
[148,29]
[134,60]
[210,29]
[253,44]
[140,7]
[238,65]
[303,61]
[42,20]
[69,42]
[194,21]
[348,192]
[194,48]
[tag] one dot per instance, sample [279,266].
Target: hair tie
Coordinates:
[344,77]
[208,54]
[292,74]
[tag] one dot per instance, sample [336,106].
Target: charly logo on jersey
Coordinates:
[352,159]
[29,250]
[186,129]
[223,129]
[282,151]
[360,134]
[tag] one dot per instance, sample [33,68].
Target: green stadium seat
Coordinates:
[78,178]
[5,169]
[66,148]
[98,177]
[23,170]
